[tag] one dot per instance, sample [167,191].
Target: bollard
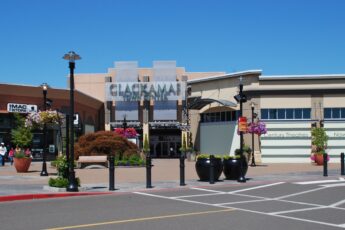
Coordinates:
[325,164]
[342,168]
[241,178]
[111,160]
[211,169]
[148,170]
[182,159]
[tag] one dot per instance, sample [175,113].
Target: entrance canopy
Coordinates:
[198,102]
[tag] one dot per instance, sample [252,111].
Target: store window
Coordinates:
[286,114]
[334,113]
[219,116]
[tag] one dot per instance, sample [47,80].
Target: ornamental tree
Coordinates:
[104,143]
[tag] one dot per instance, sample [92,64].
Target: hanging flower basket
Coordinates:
[36,120]
[258,128]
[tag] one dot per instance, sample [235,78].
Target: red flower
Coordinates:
[128,133]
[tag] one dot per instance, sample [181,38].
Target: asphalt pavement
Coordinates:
[165,174]
[311,204]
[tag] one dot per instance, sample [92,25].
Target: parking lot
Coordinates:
[320,203]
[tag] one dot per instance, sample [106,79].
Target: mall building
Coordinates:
[23,99]
[152,100]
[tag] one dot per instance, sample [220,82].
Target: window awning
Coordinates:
[199,103]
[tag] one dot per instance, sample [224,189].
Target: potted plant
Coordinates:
[22,161]
[22,138]
[203,164]
[232,164]
[319,141]
[231,167]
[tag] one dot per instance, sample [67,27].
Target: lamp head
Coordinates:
[44,87]
[71,56]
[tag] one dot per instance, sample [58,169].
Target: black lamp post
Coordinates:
[72,184]
[44,164]
[124,124]
[241,98]
[253,155]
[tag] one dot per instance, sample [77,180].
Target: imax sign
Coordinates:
[21,108]
[136,91]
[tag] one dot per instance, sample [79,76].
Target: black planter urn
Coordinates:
[202,167]
[231,168]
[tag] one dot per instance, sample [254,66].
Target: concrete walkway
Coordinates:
[165,174]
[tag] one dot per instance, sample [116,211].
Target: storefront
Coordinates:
[22,100]
[289,105]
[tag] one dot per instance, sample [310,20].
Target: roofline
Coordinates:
[229,75]
[301,77]
[33,86]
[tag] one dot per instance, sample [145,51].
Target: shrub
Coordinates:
[133,160]
[60,182]
[104,143]
[207,156]
[61,165]
[231,157]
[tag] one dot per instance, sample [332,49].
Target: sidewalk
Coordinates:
[165,174]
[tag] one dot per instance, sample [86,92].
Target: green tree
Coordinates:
[21,135]
[319,139]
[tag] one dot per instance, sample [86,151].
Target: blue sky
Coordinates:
[279,37]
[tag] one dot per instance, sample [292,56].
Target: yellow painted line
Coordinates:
[140,219]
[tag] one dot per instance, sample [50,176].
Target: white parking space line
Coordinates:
[177,199]
[337,203]
[320,181]
[240,202]
[256,187]
[206,190]
[299,202]
[299,193]
[296,210]
[198,195]
[333,185]
[251,196]
[309,221]
[273,214]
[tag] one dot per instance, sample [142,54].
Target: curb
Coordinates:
[48,195]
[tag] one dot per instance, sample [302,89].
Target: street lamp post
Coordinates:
[253,155]
[241,98]
[72,184]
[44,164]
[124,124]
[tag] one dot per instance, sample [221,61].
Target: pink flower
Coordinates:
[128,133]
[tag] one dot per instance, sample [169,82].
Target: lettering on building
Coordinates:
[136,91]
[21,108]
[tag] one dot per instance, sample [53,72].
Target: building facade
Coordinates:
[23,99]
[152,100]
[289,105]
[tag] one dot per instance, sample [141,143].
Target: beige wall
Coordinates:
[91,84]
[286,101]
[333,100]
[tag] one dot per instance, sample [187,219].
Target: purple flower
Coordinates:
[258,128]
